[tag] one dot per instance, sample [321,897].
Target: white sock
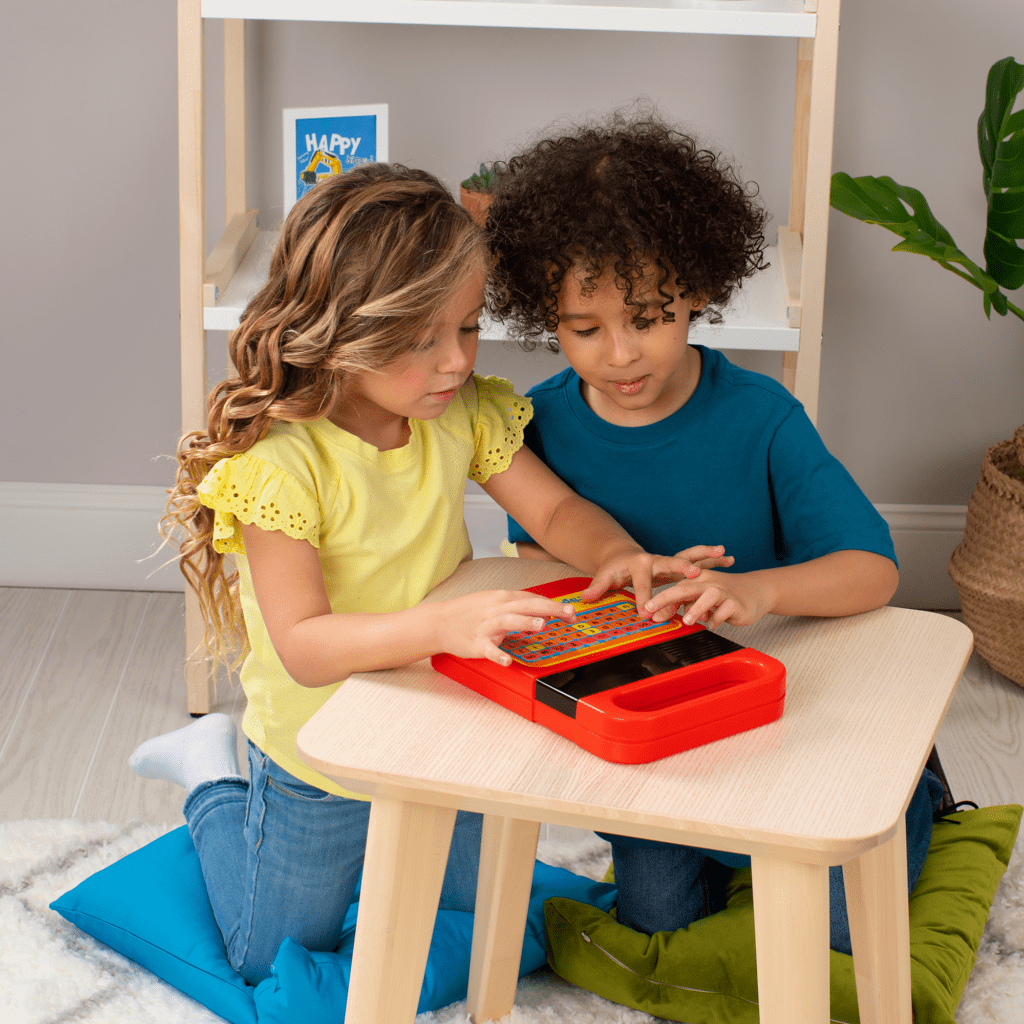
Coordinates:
[200,752]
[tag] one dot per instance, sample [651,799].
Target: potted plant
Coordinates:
[475,191]
[988,566]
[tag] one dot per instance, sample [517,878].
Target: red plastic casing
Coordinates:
[643,720]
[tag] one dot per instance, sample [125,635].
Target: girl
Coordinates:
[333,469]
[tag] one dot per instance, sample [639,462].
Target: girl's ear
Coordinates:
[697,303]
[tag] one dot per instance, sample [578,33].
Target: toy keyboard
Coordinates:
[627,689]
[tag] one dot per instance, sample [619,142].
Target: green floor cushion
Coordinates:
[707,974]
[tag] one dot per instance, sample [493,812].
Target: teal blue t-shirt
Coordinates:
[739,464]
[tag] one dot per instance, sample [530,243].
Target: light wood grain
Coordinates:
[228,254]
[791,256]
[865,695]
[406,855]
[54,635]
[820,123]
[878,912]
[148,703]
[29,620]
[798,187]
[192,232]
[50,636]
[801,121]
[791,940]
[191,213]
[508,848]
[234,119]
[981,740]
[82,670]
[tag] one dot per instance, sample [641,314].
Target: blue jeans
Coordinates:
[282,858]
[664,887]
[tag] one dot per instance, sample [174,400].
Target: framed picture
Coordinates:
[320,141]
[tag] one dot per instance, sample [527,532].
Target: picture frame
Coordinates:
[321,141]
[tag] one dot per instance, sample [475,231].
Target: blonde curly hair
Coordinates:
[365,263]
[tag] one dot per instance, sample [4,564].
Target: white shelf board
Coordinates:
[755,319]
[250,276]
[715,17]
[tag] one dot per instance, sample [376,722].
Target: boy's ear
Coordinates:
[697,303]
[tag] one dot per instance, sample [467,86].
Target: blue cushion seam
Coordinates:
[152,945]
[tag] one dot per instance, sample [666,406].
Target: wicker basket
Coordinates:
[988,567]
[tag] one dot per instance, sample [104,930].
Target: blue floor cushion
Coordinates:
[707,973]
[152,907]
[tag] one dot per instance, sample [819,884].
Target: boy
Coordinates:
[614,238]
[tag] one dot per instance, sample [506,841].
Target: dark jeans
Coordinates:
[664,887]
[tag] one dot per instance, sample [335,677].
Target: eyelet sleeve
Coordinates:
[501,418]
[247,489]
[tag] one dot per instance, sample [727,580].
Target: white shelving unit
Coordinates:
[755,319]
[779,309]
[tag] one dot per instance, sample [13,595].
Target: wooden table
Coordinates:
[828,783]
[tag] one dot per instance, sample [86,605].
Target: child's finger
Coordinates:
[704,604]
[712,563]
[492,652]
[525,603]
[601,584]
[664,605]
[643,589]
[677,566]
[665,612]
[726,610]
[515,622]
[700,552]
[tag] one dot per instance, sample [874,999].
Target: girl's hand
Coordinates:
[474,625]
[647,571]
[740,599]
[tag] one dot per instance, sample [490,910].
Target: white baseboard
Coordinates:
[84,537]
[97,537]
[924,537]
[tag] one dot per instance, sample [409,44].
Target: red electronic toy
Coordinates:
[627,689]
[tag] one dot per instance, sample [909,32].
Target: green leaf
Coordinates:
[1001,146]
[881,201]
[1008,257]
[877,201]
[1005,81]
[1008,211]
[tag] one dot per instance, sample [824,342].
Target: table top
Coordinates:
[865,696]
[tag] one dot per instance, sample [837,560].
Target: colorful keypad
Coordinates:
[601,625]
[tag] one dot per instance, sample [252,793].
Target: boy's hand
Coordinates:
[472,626]
[645,571]
[740,599]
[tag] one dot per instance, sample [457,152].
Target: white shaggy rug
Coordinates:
[51,973]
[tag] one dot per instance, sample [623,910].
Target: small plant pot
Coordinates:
[988,567]
[477,203]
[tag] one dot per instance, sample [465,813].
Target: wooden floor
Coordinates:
[86,675]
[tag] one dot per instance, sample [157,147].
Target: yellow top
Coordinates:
[388,526]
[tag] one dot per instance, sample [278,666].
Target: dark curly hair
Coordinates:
[623,195]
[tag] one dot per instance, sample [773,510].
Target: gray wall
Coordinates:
[915,382]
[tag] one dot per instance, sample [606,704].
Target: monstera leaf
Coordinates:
[1001,143]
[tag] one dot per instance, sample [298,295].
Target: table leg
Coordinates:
[508,850]
[878,905]
[791,936]
[406,855]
